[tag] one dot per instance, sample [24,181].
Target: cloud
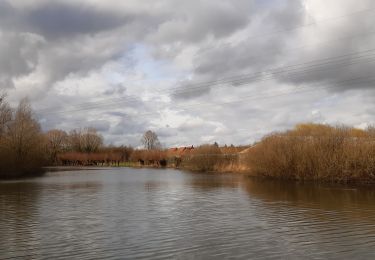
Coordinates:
[18,55]
[193,71]
[55,20]
[194,21]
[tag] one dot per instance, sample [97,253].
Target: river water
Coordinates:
[167,214]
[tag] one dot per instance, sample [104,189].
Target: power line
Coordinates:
[305,89]
[298,90]
[346,60]
[321,21]
[282,70]
[207,82]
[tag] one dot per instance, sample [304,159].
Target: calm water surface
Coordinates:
[168,214]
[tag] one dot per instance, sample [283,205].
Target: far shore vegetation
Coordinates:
[309,152]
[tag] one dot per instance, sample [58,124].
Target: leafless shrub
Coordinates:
[22,145]
[203,158]
[57,142]
[85,140]
[149,157]
[316,152]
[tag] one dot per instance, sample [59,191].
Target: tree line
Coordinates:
[308,152]
[25,149]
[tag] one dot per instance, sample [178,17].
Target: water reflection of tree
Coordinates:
[355,202]
[18,216]
[316,220]
[207,181]
[83,187]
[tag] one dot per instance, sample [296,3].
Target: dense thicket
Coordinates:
[204,158]
[316,152]
[22,145]
[104,156]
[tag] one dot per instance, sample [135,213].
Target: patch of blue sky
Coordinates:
[138,65]
[154,69]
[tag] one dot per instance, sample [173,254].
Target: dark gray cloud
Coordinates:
[129,125]
[100,125]
[192,21]
[66,20]
[18,55]
[7,13]
[278,42]
[257,51]
[56,19]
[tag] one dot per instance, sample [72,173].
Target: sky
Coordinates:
[195,72]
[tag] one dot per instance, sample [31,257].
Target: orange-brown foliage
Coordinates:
[316,152]
[148,157]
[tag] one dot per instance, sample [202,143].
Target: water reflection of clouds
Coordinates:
[82,186]
[155,185]
[195,181]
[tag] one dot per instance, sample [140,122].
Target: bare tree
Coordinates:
[92,141]
[23,130]
[87,140]
[5,114]
[23,144]
[56,143]
[75,140]
[150,140]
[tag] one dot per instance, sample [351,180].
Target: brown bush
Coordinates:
[22,145]
[204,158]
[110,156]
[316,152]
[148,157]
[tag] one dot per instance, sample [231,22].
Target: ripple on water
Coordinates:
[126,213]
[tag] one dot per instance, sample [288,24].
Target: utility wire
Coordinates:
[178,90]
[308,24]
[305,89]
[345,60]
